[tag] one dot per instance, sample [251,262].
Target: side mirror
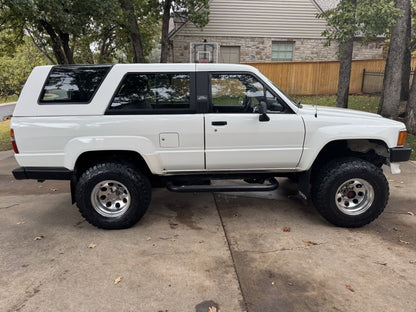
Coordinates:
[262,110]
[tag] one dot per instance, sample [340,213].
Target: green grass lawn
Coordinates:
[5,143]
[11,98]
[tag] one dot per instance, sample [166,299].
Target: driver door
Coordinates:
[235,137]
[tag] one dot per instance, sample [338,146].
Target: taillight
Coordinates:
[13,141]
[402,138]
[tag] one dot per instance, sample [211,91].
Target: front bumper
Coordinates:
[400,153]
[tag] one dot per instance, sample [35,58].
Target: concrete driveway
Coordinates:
[193,252]
[6,109]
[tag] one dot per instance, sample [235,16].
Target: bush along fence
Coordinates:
[321,77]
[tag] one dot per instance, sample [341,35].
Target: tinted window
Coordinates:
[237,93]
[152,92]
[73,84]
[240,93]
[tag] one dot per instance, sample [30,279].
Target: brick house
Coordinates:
[260,31]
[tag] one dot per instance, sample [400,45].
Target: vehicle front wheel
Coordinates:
[350,192]
[113,195]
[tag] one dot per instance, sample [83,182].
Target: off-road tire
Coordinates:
[329,185]
[137,188]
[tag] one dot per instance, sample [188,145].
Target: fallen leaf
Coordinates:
[389,248]
[286,229]
[350,288]
[411,213]
[39,237]
[395,229]
[53,189]
[117,280]
[92,245]
[290,283]
[402,182]
[23,222]
[404,242]
[149,238]
[412,261]
[398,186]
[381,263]
[272,283]
[173,239]
[309,243]
[201,241]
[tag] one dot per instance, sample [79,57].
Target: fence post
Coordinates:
[362,82]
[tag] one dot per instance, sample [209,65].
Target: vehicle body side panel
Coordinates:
[332,125]
[59,141]
[245,142]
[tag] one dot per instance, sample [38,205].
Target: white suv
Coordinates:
[115,131]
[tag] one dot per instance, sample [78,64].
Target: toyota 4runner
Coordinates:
[116,131]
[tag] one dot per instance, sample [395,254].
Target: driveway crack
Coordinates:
[231,252]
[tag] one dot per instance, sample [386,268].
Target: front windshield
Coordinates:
[287,96]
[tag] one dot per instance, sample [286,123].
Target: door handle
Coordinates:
[218,123]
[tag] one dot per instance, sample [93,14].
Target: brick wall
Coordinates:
[260,49]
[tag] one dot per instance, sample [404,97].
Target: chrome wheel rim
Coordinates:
[354,197]
[110,198]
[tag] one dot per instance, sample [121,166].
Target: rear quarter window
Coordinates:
[73,84]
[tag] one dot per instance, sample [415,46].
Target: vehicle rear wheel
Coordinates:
[113,195]
[350,192]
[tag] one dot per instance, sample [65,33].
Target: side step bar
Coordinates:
[223,188]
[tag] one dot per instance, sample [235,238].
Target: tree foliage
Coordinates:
[15,69]
[80,31]
[83,31]
[351,19]
[195,11]
[367,20]
[57,24]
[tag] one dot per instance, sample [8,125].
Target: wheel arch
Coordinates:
[90,158]
[371,150]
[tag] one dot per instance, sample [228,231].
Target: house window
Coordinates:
[230,54]
[282,51]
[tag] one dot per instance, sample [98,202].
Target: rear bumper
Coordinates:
[42,173]
[400,153]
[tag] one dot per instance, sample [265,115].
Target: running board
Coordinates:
[223,188]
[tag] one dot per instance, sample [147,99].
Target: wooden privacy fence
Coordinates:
[317,77]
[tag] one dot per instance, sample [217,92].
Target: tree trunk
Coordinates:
[390,96]
[67,50]
[406,66]
[56,43]
[134,31]
[41,48]
[345,73]
[411,110]
[164,54]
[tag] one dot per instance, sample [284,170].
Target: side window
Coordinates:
[273,103]
[73,84]
[240,93]
[139,92]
